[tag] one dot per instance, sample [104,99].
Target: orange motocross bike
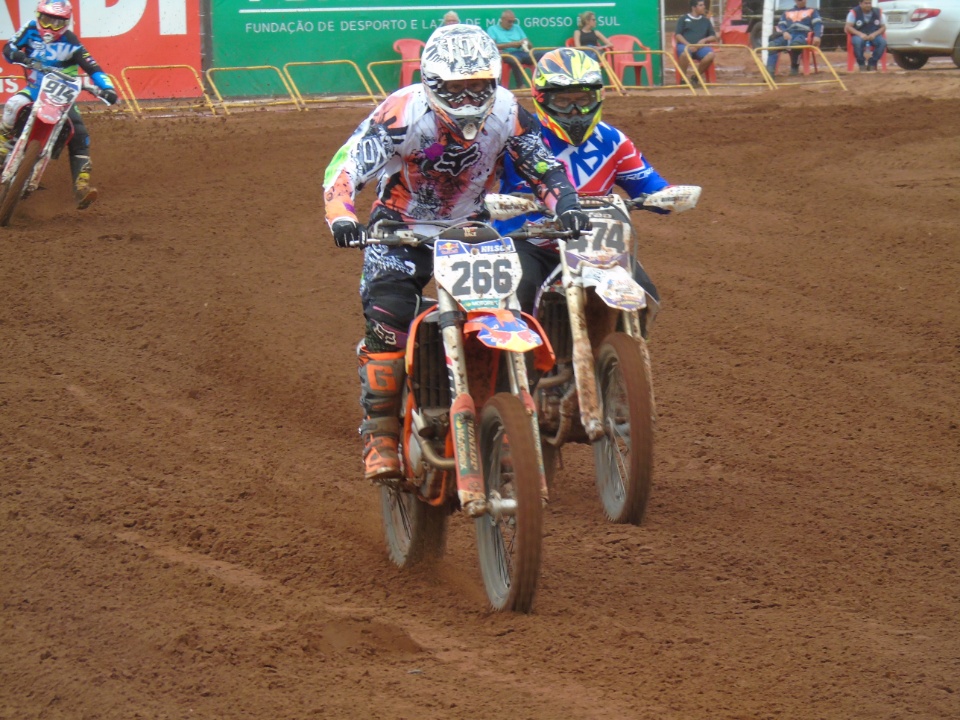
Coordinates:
[470,436]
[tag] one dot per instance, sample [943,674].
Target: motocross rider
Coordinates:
[436,149]
[48,40]
[567,96]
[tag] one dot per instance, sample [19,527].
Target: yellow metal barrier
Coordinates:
[668,55]
[373,75]
[155,108]
[614,83]
[246,103]
[514,68]
[767,81]
[333,98]
[782,48]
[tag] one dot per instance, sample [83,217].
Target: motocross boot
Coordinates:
[381,385]
[84,193]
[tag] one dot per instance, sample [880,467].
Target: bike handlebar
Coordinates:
[47,69]
[385,233]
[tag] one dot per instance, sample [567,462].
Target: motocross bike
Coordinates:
[42,129]
[470,436]
[596,317]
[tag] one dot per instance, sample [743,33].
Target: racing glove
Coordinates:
[19,57]
[575,220]
[348,233]
[110,95]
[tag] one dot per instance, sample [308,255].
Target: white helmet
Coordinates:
[460,66]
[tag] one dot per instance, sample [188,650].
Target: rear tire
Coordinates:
[909,61]
[10,191]
[414,530]
[956,52]
[510,547]
[624,456]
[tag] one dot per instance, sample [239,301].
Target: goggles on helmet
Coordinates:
[51,22]
[459,93]
[573,100]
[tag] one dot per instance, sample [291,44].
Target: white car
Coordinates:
[920,29]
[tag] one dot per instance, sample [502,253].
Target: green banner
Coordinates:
[249,33]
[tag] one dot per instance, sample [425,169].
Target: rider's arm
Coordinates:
[17,42]
[536,164]
[635,175]
[91,67]
[360,160]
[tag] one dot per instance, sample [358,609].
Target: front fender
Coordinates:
[503,329]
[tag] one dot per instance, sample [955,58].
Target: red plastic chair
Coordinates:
[506,72]
[807,57]
[409,49]
[852,59]
[621,62]
[711,75]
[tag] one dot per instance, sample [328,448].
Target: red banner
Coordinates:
[124,33]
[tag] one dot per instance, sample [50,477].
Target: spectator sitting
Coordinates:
[793,29]
[693,34]
[451,18]
[586,35]
[865,26]
[512,42]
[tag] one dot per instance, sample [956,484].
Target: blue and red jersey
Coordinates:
[604,159]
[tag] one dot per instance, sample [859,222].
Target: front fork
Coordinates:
[47,135]
[463,411]
[584,368]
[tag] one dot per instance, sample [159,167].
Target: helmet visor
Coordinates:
[572,100]
[473,92]
[51,22]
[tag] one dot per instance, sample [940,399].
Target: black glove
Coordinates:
[19,57]
[576,220]
[349,233]
[110,95]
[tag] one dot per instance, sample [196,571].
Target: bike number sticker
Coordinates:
[608,234]
[57,91]
[477,275]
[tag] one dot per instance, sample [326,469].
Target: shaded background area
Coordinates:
[183,527]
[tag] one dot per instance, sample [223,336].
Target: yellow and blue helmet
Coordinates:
[568,93]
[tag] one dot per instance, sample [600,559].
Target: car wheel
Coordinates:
[956,52]
[909,61]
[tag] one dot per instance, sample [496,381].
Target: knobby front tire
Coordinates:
[10,192]
[624,456]
[510,547]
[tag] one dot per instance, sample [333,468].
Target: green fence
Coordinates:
[276,32]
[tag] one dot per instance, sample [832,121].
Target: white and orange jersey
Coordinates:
[426,173]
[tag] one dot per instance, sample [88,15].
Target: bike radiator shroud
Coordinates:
[430,383]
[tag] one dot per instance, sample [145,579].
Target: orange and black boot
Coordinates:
[84,193]
[381,384]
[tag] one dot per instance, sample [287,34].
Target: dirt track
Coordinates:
[183,530]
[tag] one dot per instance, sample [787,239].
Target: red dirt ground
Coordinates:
[184,532]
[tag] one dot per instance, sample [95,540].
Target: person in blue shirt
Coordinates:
[793,29]
[512,41]
[865,26]
[48,40]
